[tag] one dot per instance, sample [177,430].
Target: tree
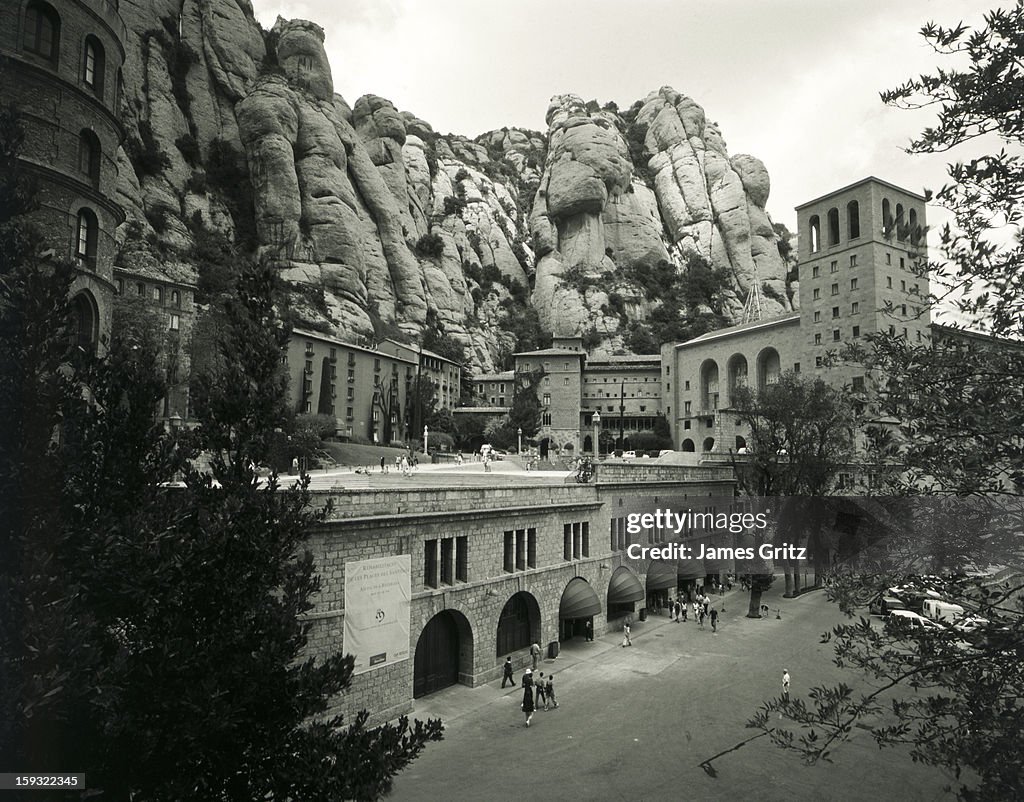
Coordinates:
[801,434]
[387,405]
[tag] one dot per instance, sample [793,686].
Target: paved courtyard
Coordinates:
[635,723]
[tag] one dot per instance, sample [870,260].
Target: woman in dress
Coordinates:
[528,702]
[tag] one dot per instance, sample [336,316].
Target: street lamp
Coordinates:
[426,440]
[519,432]
[596,420]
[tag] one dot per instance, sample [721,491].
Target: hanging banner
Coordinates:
[377,596]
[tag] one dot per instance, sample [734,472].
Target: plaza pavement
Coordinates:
[636,723]
[469,474]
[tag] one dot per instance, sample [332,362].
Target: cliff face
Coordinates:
[237,140]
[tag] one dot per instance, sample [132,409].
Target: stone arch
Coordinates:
[915,229]
[886,217]
[444,653]
[814,225]
[853,219]
[41,31]
[709,385]
[901,226]
[741,442]
[518,624]
[736,369]
[833,226]
[709,444]
[687,445]
[578,605]
[94,65]
[89,153]
[624,591]
[769,367]
[588,444]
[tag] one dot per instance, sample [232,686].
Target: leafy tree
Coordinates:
[386,402]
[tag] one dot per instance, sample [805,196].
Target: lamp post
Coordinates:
[519,434]
[596,420]
[426,440]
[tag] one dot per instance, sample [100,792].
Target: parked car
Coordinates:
[629,455]
[883,604]
[938,610]
[665,451]
[904,620]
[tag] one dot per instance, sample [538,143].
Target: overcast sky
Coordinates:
[793,82]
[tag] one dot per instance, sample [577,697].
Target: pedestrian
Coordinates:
[549,692]
[683,607]
[589,627]
[295,465]
[785,686]
[383,465]
[714,620]
[506,675]
[528,706]
[528,678]
[535,654]
[700,616]
[540,687]
[626,639]
[398,463]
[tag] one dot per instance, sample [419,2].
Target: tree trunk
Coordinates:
[754,610]
[788,571]
[796,580]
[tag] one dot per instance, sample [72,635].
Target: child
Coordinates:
[549,690]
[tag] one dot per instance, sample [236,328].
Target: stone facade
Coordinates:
[571,525]
[63,63]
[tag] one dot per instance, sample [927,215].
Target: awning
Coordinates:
[579,600]
[661,576]
[690,569]
[625,587]
[717,566]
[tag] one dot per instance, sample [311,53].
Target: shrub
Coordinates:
[189,148]
[462,174]
[453,205]
[158,218]
[196,183]
[144,153]
[430,244]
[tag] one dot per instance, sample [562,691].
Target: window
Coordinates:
[350,394]
[545,419]
[855,308]
[430,563]
[835,311]
[85,238]
[815,227]
[686,424]
[686,385]
[815,271]
[585,539]
[903,310]
[817,317]
[120,286]
[462,559]
[140,289]
[565,366]
[176,299]
[175,323]
[886,217]
[817,339]
[835,289]
[901,263]
[892,331]
[42,31]
[817,362]
[447,552]
[796,367]
[376,365]
[509,552]
[89,156]
[95,65]
[531,547]
[835,335]
[546,401]
[856,331]
[833,267]
[567,542]
[888,282]
[858,384]
[565,381]
[817,293]
[903,286]
[349,413]
[853,283]
[158,294]
[888,258]
[686,407]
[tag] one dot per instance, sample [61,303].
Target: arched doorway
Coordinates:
[444,651]
[518,624]
[709,444]
[769,367]
[588,444]
[624,591]
[688,445]
[545,447]
[737,368]
[661,578]
[578,605]
[741,442]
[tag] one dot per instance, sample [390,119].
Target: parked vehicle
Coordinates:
[938,610]
[629,455]
[904,620]
[883,604]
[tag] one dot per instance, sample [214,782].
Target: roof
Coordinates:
[487,410]
[741,328]
[419,349]
[504,376]
[316,335]
[870,178]
[552,352]
[166,272]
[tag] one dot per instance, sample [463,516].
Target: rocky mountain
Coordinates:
[238,146]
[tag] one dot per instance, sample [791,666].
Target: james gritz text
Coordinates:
[677,551]
[735,522]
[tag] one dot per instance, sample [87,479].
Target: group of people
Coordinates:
[701,607]
[536,691]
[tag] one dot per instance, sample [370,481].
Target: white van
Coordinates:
[938,610]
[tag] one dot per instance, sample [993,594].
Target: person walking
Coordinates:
[541,692]
[549,692]
[626,639]
[506,672]
[684,606]
[785,686]
[714,620]
[383,465]
[535,654]
[528,706]
[589,627]
[700,615]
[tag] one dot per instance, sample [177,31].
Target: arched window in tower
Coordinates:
[86,236]
[915,229]
[815,226]
[853,218]
[89,156]
[901,227]
[833,226]
[42,30]
[886,218]
[94,69]
[85,320]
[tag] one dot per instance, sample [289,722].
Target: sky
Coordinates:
[793,82]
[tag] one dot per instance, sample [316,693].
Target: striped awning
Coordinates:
[624,587]
[690,569]
[579,600]
[661,575]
